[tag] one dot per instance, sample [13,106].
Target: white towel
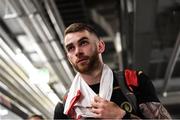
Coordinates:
[81,95]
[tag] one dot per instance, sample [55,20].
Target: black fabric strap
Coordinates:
[124,88]
[127,115]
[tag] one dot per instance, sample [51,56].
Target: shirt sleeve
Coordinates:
[58,112]
[145,91]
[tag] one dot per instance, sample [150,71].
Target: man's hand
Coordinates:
[106,109]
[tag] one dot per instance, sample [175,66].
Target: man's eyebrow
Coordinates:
[69,44]
[66,46]
[82,39]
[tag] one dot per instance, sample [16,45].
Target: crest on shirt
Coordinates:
[126,106]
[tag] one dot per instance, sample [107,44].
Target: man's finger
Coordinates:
[98,99]
[97,113]
[95,110]
[95,104]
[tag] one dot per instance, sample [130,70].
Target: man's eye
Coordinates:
[70,48]
[83,43]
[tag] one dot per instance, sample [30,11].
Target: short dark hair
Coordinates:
[36,116]
[78,27]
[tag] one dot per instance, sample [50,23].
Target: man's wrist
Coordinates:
[121,113]
[127,115]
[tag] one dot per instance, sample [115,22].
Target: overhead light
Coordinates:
[10,16]
[40,76]
[118,44]
[37,76]
[57,49]
[19,57]
[9,12]
[3,112]
[25,41]
[24,62]
[45,88]
[18,50]
[3,86]
[60,88]
[164,94]
[5,47]
[53,97]
[67,69]
[31,47]
[130,6]
[35,57]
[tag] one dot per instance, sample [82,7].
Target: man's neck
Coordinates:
[93,77]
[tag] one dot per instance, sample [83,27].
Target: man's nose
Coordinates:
[78,51]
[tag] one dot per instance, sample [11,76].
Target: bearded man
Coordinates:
[95,92]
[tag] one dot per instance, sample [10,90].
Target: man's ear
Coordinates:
[101,46]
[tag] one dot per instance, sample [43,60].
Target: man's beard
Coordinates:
[93,62]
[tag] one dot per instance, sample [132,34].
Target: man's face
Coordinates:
[82,50]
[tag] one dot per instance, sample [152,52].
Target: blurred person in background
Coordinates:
[99,92]
[35,117]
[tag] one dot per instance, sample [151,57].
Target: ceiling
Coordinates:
[34,71]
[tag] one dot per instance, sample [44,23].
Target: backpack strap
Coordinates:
[128,93]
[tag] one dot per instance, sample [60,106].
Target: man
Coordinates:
[95,92]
